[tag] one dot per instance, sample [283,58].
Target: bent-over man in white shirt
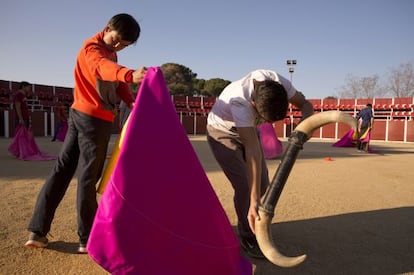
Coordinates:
[261,96]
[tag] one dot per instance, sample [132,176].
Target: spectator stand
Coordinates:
[193,112]
[348,106]
[330,104]
[393,116]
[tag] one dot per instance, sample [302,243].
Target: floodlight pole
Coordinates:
[291,64]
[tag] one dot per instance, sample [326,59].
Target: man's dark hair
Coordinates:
[126,26]
[369,105]
[271,100]
[23,84]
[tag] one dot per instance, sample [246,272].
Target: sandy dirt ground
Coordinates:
[351,215]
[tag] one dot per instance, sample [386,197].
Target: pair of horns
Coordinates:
[269,200]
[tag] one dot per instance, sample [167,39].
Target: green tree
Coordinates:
[179,79]
[214,86]
[198,86]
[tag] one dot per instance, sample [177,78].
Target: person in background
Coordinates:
[20,104]
[23,145]
[62,116]
[99,80]
[365,119]
[124,110]
[261,96]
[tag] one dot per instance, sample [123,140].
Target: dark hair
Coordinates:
[23,84]
[271,100]
[126,26]
[369,105]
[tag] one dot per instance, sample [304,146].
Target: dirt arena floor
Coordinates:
[351,215]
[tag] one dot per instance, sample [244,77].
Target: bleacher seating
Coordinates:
[387,111]
[193,111]
[41,98]
[330,104]
[383,107]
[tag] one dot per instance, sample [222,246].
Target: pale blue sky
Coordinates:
[217,38]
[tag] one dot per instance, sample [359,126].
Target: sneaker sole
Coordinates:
[35,244]
[82,251]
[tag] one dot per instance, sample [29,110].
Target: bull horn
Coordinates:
[269,200]
[318,120]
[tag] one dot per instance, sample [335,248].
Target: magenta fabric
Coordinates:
[348,140]
[62,131]
[272,146]
[24,147]
[159,213]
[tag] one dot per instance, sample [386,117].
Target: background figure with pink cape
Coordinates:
[350,139]
[272,146]
[61,133]
[24,146]
[365,119]
[62,113]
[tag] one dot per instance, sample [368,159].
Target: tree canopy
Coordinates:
[181,80]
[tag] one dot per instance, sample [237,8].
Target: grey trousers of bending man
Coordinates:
[230,154]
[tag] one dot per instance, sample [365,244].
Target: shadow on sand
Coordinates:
[64,247]
[373,242]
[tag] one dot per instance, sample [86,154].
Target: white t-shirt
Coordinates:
[233,107]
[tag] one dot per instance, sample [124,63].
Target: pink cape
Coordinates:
[159,213]
[24,146]
[350,140]
[272,146]
[62,132]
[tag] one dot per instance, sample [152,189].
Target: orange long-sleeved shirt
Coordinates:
[99,80]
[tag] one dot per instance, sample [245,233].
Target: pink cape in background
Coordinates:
[24,147]
[350,140]
[159,213]
[62,132]
[272,146]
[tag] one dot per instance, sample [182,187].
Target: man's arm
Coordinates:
[253,151]
[299,100]
[124,90]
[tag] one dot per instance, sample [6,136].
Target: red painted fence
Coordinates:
[394,117]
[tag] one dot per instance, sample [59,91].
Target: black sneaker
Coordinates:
[37,241]
[82,249]
[251,247]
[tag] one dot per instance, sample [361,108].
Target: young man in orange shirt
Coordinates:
[99,80]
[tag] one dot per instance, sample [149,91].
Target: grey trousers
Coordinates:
[230,154]
[85,144]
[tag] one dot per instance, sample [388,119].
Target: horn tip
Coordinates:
[300,259]
[293,261]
